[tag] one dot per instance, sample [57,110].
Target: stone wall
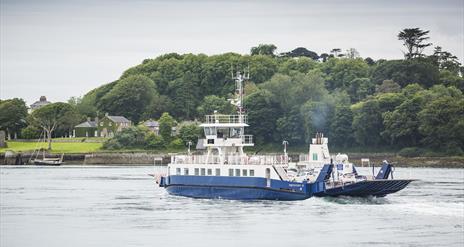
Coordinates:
[124,158]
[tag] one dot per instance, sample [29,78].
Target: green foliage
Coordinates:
[132,137]
[55,116]
[402,124]
[129,97]
[176,144]
[341,132]
[301,52]
[302,65]
[186,95]
[388,86]
[263,49]
[411,152]
[213,103]
[340,72]
[154,141]
[13,114]
[166,123]
[360,88]
[290,127]
[85,106]
[356,102]
[190,133]
[414,40]
[262,113]
[30,132]
[367,121]
[442,123]
[405,72]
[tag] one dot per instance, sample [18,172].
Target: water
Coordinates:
[121,206]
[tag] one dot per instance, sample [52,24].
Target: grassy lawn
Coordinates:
[57,147]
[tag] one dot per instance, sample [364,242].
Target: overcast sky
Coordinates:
[66,48]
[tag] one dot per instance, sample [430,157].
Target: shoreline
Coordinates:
[146,158]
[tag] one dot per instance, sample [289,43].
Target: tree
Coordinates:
[301,52]
[302,65]
[185,96]
[263,49]
[160,104]
[335,51]
[444,60]
[367,123]
[360,88]
[352,53]
[402,124]
[442,120]
[262,114]
[132,137]
[13,113]
[53,116]
[340,72]
[388,86]
[166,122]
[129,97]
[190,133]
[324,57]
[405,72]
[84,105]
[369,61]
[290,127]
[341,132]
[213,103]
[414,40]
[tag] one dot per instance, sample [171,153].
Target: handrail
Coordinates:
[210,119]
[230,159]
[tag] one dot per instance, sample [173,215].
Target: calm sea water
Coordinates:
[121,206]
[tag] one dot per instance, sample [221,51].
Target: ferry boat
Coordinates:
[226,171]
[344,179]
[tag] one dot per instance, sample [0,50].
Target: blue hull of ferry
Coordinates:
[236,188]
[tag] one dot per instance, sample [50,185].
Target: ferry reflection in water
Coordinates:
[121,206]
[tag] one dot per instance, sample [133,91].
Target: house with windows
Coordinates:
[105,127]
[152,126]
[86,129]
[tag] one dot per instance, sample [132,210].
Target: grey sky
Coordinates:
[66,48]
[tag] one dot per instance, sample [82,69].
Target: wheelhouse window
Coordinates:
[252,173]
[177,171]
[197,171]
[314,156]
[218,172]
[244,172]
[210,172]
[203,171]
[210,131]
[231,172]
[186,171]
[237,172]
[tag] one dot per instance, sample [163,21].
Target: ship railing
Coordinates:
[227,119]
[230,159]
[304,158]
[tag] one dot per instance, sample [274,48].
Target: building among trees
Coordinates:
[106,127]
[42,102]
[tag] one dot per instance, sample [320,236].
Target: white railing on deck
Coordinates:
[211,119]
[231,159]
